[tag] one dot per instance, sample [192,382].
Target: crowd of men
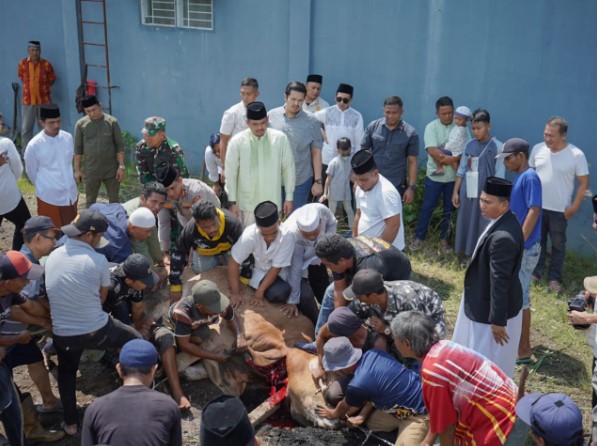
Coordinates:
[379,335]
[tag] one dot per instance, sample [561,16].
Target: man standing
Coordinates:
[341,120]
[156,148]
[304,134]
[558,163]
[313,102]
[48,162]
[259,162]
[234,119]
[436,136]
[395,146]
[379,208]
[38,76]
[489,320]
[98,141]
[77,282]
[525,203]
[134,413]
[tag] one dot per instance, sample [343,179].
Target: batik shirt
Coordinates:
[37,81]
[148,158]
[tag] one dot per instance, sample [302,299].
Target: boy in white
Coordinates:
[379,205]
[458,137]
[557,163]
[271,245]
[337,183]
[213,163]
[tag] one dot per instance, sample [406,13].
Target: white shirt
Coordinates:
[234,120]
[213,164]
[49,166]
[316,105]
[557,172]
[339,124]
[10,195]
[277,255]
[381,202]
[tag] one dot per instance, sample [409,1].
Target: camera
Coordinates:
[578,303]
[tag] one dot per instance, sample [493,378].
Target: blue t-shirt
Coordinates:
[389,386]
[526,193]
[117,234]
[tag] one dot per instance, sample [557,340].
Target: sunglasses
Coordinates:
[345,100]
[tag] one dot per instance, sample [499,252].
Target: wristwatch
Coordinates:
[387,331]
[412,186]
[319,181]
[122,167]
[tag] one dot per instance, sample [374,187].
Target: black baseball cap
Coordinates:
[38,224]
[513,145]
[366,281]
[88,220]
[137,267]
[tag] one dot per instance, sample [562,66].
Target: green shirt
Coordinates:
[150,248]
[436,135]
[98,141]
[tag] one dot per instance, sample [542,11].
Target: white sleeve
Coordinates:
[582,168]
[283,256]
[164,228]
[227,125]
[243,246]
[390,203]
[31,164]
[14,159]
[211,164]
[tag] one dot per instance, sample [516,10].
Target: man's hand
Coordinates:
[316,189]
[24,337]
[455,200]
[236,300]
[324,411]
[323,198]
[287,208]
[409,196]
[377,324]
[500,334]
[569,213]
[120,175]
[175,296]
[162,273]
[165,258]
[290,310]
[580,317]
[217,189]
[221,357]
[257,300]
[357,420]
[235,210]
[317,372]
[79,176]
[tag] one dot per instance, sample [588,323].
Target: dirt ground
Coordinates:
[95,380]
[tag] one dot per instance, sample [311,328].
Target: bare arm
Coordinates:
[583,185]
[316,189]
[436,154]
[35,308]
[224,140]
[339,287]
[455,197]
[391,228]
[104,293]
[355,226]
[409,194]
[446,438]
[194,348]
[530,221]
[77,165]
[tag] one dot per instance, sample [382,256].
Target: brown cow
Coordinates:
[270,337]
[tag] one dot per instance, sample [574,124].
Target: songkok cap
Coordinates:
[345,88]
[214,139]
[49,111]
[552,416]
[343,322]
[366,281]
[498,187]
[136,267]
[590,284]
[38,224]
[225,422]
[166,174]
[153,125]
[89,101]
[363,162]
[88,220]
[206,293]
[34,44]
[266,214]
[338,354]
[256,111]
[307,217]
[513,145]
[463,111]
[138,353]
[15,265]
[318,78]
[142,218]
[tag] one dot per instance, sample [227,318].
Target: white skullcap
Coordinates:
[142,218]
[463,111]
[307,218]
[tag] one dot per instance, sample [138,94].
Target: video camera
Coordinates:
[579,303]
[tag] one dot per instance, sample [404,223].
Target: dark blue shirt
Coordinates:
[117,234]
[391,148]
[526,193]
[389,386]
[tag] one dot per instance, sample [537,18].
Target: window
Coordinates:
[197,14]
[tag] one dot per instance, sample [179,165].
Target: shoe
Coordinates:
[57,408]
[415,245]
[556,286]
[308,347]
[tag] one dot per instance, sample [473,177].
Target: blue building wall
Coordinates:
[523,61]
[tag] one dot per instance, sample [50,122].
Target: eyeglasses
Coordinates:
[345,100]
[48,237]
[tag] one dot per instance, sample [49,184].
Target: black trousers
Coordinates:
[18,216]
[279,292]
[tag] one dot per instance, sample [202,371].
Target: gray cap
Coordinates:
[366,281]
[338,354]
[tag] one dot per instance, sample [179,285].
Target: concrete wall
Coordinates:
[523,61]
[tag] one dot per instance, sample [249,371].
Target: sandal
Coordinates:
[57,408]
[63,427]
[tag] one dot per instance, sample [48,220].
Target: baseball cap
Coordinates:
[142,218]
[338,354]
[153,125]
[15,265]
[513,145]
[552,416]
[136,267]
[225,422]
[138,353]
[343,322]
[38,224]
[88,220]
[366,281]
[206,293]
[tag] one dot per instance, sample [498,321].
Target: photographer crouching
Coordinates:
[581,319]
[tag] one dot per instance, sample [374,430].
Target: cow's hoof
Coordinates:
[196,372]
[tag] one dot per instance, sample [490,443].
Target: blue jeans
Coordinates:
[10,409]
[433,190]
[530,257]
[553,224]
[327,306]
[301,194]
[202,264]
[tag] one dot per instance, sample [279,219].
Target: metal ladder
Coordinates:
[93,47]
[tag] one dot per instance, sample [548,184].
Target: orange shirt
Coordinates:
[37,81]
